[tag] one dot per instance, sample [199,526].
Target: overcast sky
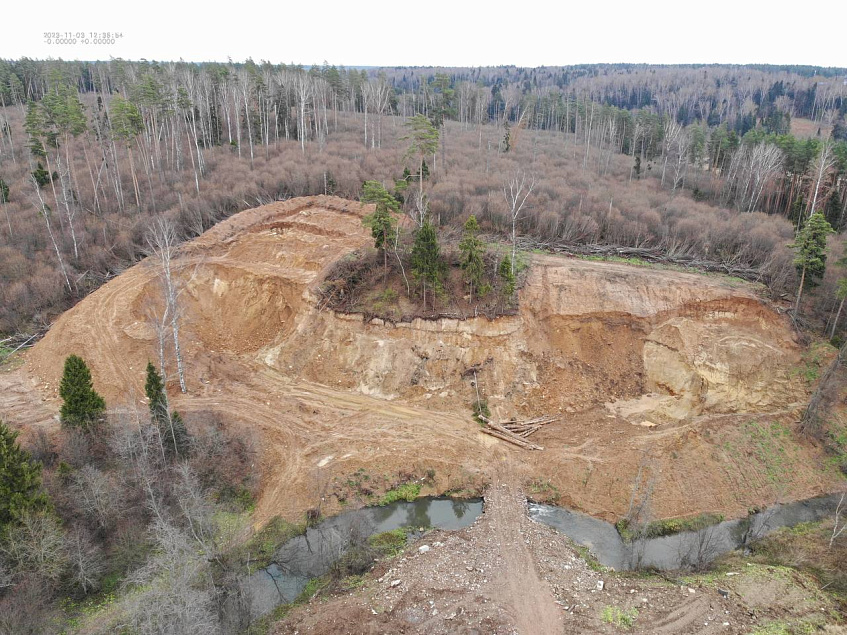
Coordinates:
[435,32]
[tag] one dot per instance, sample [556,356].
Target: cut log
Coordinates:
[512,439]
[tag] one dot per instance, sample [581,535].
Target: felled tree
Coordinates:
[471,248]
[20,479]
[172,431]
[427,265]
[810,245]
[82,407]
[381,221]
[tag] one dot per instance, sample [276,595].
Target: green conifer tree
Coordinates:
[507,277]
[20,479]
[175,438]
[179,444]
[427,265]
[381,221]
[810,259]
[424,142]
[83,407]
[472,249]
[155,390]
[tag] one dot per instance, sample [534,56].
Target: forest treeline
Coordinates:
[691,160]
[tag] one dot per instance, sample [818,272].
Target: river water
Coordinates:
[313,554]
[683,550]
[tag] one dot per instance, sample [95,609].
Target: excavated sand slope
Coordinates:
[607,345]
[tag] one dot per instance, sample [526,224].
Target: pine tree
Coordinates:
[20,479]
[424,142]
[175,438]
[41,176]
[507,277]
[427,266]
[471,248]
[810,245]
[83,407]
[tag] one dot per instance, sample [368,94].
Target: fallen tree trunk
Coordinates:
[496,430]
[510,438]
[648,254]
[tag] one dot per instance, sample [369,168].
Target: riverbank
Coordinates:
[507,574]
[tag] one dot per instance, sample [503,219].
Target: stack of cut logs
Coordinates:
[516,432]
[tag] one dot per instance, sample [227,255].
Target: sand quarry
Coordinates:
[652,371]
[681,384]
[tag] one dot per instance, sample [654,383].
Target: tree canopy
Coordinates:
[810,248]
[472,249]
[20,479]
[172,431]
[427,265]
[82,407]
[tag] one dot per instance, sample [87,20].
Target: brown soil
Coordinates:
[508,574]
[653,371]
[21,406]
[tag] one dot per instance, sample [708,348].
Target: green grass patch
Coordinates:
[235,497]
[384,301]
[812,361]
[545,489]
[622,618]
[667,527]
[773,448]
[263,545]
[389,543]
[406,492]
[79,612]
[590,560]
[803,627]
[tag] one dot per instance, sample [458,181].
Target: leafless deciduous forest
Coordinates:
[697,163]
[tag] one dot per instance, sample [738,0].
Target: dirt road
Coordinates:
[518,587]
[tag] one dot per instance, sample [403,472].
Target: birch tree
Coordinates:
[516,190]
[162,244]
[823,164]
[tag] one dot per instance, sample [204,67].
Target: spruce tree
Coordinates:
[155,390]
[381,221]
[810,245]
[180,442]
[175,438]
[507,277]
[427,266]
[20,479]
[471,248]
[83,407]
